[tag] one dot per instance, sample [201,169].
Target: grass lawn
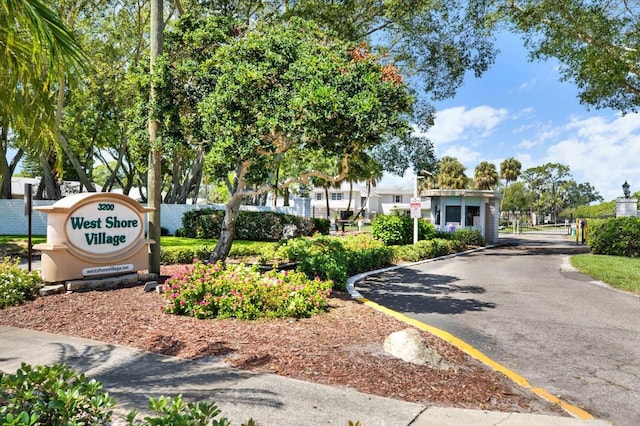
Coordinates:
[620,272]
[240,247]
[16,245]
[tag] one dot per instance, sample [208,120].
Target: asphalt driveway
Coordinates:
[523,306]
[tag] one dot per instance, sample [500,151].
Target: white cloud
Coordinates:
[465,155]
[458,124]
[528,85]
[523,113]
[601,150]
[538,133]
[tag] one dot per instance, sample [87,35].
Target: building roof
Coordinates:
[461,193]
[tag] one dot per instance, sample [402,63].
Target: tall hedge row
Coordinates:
[251,226]
[615,237]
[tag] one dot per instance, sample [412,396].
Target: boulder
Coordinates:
[409,346]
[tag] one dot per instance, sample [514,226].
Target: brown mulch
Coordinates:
[341,347]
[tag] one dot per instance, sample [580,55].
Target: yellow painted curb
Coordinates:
[475,353]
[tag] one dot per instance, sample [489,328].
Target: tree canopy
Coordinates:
[595,41]
[293,88]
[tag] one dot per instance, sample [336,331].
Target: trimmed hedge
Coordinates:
[396,229]
[250,226]
[331,258]
[615,237]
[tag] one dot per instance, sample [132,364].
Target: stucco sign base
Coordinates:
[58,264]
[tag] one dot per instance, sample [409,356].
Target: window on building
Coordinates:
[318,196]
[363,201]
[397,198]
[336,196]
[472,211]
[452,214]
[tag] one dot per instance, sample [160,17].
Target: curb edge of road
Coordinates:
[459,343]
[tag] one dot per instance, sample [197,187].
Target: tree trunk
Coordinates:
[49,187]
[326,196]
[192,183]
[228,231]
[362,207]
[82,176]
[7,169]
[275,189]
[285,195]
[154,184]
[62,141]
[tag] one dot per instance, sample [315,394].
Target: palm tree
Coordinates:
[509,171]
[486,176]
[154,174]
[451,174]
[369,170]
[35,49]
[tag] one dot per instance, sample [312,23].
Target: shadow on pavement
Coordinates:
[134,377]
[419,292]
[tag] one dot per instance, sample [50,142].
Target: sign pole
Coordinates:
[28,196]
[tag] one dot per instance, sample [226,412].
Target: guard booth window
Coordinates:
[452,214]
[472,211]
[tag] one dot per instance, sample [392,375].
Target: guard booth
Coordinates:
[452,209]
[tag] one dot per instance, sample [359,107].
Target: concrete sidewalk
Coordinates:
[133,376]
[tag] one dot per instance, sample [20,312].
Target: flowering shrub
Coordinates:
[214,291]
[16,284]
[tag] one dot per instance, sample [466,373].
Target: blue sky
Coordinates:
[521,109]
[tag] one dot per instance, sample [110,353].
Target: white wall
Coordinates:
[13,221]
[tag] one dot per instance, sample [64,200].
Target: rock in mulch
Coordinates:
[409,346]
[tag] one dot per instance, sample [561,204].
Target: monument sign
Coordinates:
[94,234]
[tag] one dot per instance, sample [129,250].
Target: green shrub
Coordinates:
[239,291]
[392,229]
[336,258]
[397,229]
[177,255]
[52,395]
[615,237]
[406,253]
[57,395]
[324,257]
[17,285]
[175,412]
[468,236]
[182,255]
[364,253]
[426,230]
[425,249]
[250,226]
[321,225]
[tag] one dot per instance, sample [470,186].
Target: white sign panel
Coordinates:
[112,269]
[416,208]
[104,227]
